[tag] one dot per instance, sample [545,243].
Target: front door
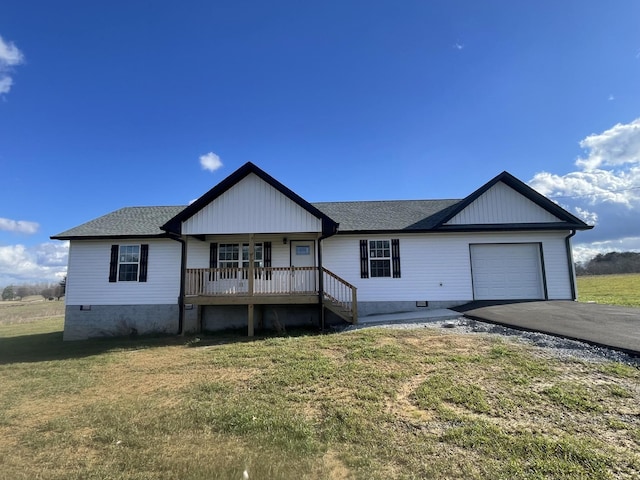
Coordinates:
[303,257]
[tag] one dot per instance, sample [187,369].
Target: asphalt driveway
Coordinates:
[603,325]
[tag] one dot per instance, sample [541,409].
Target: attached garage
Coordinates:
[510,271]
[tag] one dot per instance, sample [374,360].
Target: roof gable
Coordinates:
[260,207]
[506,202]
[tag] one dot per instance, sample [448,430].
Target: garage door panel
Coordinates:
[506,271]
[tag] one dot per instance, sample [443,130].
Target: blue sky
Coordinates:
[112,104]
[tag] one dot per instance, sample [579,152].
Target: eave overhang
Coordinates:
[107,237]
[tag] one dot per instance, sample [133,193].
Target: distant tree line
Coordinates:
[609,263]
[49,291]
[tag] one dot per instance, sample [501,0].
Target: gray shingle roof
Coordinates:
[128,221]
[352,216]
[387,215]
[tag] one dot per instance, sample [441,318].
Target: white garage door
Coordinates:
[506,271]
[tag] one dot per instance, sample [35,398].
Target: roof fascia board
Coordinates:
[474,228]
[108,237]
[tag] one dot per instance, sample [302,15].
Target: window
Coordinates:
[380,258]
[229,257]
[257,251]
[128,263]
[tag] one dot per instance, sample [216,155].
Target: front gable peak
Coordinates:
[250,201]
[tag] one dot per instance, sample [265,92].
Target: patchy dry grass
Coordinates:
[31,309]
[610,289]
[370,404]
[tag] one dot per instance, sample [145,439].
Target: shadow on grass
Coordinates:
[43,347]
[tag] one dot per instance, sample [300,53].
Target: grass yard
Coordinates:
[369,404]
[610,289]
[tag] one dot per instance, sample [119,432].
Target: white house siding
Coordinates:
[502,204]
[198,251]
[96,307]
[88,274]
[437,267]
[251,206]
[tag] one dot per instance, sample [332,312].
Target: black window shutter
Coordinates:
[144,258]
[113,265]
[267,258]
[213,259]
[395,257]
[364,259]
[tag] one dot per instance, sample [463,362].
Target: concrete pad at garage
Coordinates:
[603,325]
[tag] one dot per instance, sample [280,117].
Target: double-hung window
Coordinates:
[128,263]
[229,258]
[380,258]
[228,254]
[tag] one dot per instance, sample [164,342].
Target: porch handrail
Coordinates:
[234,281]
[266,281]
[341,292]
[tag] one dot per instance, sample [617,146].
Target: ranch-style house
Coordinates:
[250,253]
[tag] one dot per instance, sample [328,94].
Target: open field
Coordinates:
[610,289]
[370,404]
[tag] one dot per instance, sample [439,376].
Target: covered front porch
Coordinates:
[256,283]
[252,241]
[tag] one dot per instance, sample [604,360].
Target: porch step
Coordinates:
[339,310]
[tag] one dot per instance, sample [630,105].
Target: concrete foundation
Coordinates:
[90,321]
[267,317]
[366,309]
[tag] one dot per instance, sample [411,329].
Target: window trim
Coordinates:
[366,258]
[377,249]
[141,263]
[121,262]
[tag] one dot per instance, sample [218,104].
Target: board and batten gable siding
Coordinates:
[502,204]
[88,274]
[437,267]
[251,206]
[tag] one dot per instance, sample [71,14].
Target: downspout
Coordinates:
[572,272]
[321,274]
[183,265]
[321,282]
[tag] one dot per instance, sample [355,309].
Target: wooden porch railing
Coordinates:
[341,293]
[265,281]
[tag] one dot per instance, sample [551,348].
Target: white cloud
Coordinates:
[10,56]
[5,84]
[617,146]
[604,190]
[44,262]
[18,226]
[210,161]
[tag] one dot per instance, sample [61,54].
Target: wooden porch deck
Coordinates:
[270,286]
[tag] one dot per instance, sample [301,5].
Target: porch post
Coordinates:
[250,279]
[250,311]
[252,258]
